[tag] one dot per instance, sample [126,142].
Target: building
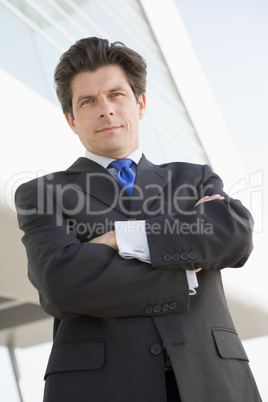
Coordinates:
[182,119]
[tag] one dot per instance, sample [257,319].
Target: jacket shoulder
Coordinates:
[195,171]
[188,166]
[52,178]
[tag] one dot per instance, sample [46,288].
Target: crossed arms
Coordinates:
[110,240]
[75,278]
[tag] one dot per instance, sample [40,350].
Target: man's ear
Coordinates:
[70,121]
[142,105]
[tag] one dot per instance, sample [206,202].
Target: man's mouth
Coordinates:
[108,128]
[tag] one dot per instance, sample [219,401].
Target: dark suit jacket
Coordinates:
[113,317]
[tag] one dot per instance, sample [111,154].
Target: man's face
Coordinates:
[106,113]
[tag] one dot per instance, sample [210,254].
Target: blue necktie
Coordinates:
[125,175]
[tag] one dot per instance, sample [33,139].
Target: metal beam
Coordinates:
[16,371]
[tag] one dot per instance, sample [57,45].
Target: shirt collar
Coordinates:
[104,161]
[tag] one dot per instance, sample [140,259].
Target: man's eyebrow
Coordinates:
[116,89]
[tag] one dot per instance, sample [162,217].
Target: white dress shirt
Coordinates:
[131,235]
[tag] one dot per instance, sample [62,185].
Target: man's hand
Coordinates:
[210,198]
[107,238]
[206,199]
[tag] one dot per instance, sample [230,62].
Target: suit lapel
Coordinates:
[95,181]
[150,182]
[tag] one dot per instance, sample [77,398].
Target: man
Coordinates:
[116,264]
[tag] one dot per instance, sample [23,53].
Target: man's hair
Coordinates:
[89,54]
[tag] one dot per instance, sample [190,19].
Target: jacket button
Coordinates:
[156,349]
[184,256]
[173,306]
[176,257]
[167,258]
[157,308]
[149,309]
[193,255]
[165,308]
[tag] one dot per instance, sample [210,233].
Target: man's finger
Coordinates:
[210,198]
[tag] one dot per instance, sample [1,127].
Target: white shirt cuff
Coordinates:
[192,282]
[132,242]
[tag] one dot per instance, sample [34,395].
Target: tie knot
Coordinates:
[121,163]
[125,176]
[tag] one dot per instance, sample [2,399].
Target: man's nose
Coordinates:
[106,108]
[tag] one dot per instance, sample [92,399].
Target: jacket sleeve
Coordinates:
[76,278]
[213,235]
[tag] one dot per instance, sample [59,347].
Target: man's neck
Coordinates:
[104,161]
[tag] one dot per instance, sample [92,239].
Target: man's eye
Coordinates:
[116,94]
[87,101]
